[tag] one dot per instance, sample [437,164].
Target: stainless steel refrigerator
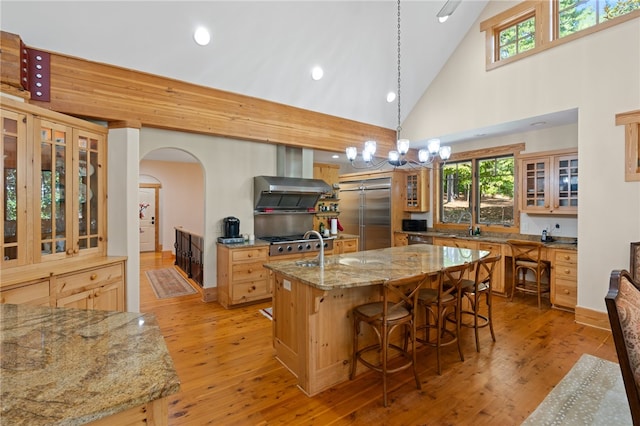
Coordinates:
[365,207]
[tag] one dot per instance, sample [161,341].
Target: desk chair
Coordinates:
[397,308]
[527,256]
[438,303]
[623,307]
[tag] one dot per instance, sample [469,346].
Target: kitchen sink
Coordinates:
[355,261]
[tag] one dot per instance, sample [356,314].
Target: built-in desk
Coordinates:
[312,325]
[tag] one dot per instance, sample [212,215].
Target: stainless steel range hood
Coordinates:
[287,193]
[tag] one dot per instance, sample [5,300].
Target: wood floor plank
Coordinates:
[229,375]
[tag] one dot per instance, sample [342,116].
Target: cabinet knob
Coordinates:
[249,254]
[566,291]
[567,257]
[249,270]
[93,277]
[567,271]
[70,251]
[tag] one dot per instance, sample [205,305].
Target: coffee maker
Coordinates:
[231,229]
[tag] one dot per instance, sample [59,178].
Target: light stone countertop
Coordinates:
[373,267]
[61,366]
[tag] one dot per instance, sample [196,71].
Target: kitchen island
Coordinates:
[312,325]
[61,366]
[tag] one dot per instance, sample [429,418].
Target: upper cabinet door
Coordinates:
[15,204]
[54,192]
[549,183]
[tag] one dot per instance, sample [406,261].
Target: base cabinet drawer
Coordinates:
[34,293]
[241,276]
[564,282]
[96,283]
[249,291]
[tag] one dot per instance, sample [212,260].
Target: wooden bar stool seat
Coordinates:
[527,256]
[397,308]
[438,303]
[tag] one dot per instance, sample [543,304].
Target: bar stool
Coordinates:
[527,256]
[473,290]
[397,308]
[438,303]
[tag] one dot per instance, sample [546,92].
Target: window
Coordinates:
[517,38]
[478,190]
[534,26]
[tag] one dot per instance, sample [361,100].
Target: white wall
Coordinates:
[597,74]
[181,198]
[228,167]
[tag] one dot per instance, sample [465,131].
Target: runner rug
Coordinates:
[592,393]
[168,282]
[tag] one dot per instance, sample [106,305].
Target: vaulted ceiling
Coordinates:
[264,49]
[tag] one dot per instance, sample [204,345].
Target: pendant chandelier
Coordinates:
[398,157]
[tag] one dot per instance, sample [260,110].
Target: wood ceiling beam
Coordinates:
[104,92]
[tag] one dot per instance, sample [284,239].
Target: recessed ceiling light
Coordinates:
[538,123]
[202,36]
[391,96]
[317,73]
[336,156]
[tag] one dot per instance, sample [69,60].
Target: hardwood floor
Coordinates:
[229,376]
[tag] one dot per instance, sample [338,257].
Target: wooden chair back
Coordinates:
[484,270]
[530,251]
[402,292]
[623,307]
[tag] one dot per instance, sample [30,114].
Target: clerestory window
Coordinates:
[533,26]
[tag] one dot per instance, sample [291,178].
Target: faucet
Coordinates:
[462,215]
[321,254]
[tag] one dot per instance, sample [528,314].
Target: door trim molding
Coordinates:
[156,213]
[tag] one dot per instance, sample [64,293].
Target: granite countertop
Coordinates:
[566,243]
[372,267]
[61,366]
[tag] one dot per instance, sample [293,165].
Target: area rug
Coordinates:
[592,393]
[168,282]
[267,312]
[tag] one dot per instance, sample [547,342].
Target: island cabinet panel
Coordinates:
[154,413]
[313,331]
[241,276]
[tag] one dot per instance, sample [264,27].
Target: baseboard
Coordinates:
[592,318]
[209,294]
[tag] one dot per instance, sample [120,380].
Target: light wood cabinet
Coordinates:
[53,216]
[498,271]
[564,279]
[400,239]
[241,276]
[96,283]
[54,194]
[29,293]
[345,245]
[417,191]
[549,182]
[97,288]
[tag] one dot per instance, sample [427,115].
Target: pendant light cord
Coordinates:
[399,128]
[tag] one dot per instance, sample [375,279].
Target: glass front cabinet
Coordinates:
[54,193]
[549,183]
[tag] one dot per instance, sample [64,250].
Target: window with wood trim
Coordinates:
[577,15]
[477,188]
[534,26]
[516,38]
